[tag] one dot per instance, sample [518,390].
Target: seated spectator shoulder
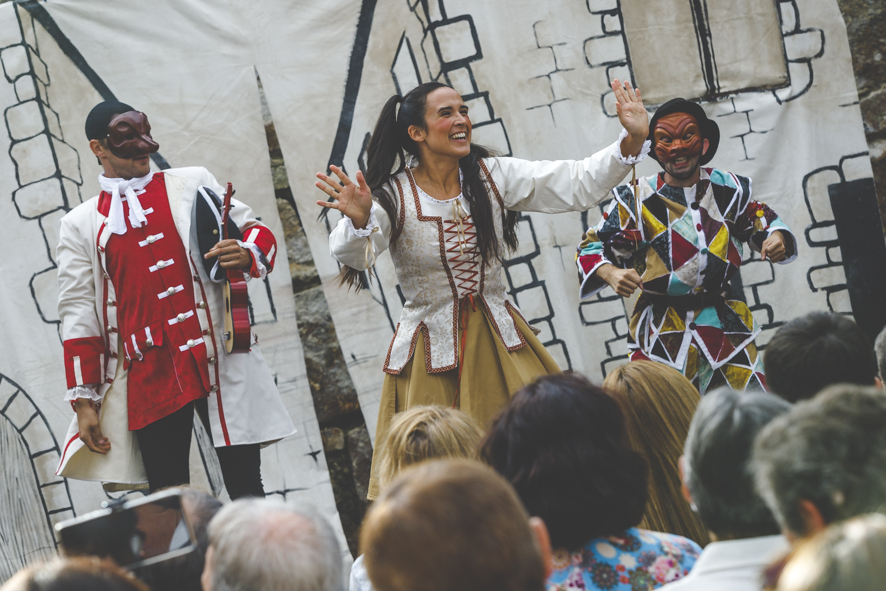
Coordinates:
[814,351]
[746,537]
[561,443]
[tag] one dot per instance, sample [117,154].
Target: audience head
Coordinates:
[183,572]
[658,403]
[426,433]
[268,544]
[848,556]
[880,354]
[561,443]
[824,460]
[453,525]
[716,466]
[74,574]
[814,351]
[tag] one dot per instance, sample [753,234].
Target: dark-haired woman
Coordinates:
[447,210]
[74,574]
[561,443]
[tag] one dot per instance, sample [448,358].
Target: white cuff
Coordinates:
[631,160]
[257,254]
[86,391]
[364,232]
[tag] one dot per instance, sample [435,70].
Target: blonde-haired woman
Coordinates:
[419,434]
[658,403]
[426,433]
[850,555]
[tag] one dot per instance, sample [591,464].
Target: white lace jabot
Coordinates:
[131,188]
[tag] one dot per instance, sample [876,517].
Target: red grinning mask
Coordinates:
[677,135]
[129,135]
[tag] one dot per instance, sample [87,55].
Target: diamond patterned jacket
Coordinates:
[689,243]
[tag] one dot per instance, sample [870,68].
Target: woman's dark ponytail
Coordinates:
[386,156]
[385,150]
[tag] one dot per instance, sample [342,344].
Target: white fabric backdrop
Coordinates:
[539,76]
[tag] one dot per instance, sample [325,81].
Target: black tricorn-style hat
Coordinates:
[208,227]
[709,129]
[100,117]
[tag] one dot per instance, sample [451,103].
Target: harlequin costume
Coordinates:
[142,329]
[460,342]
[686,249]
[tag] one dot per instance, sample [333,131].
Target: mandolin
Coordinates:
[237,333]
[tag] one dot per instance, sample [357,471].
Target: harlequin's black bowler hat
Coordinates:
[709,129]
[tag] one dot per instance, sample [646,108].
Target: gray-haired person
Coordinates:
[259,544]
[825,460]
[718,482]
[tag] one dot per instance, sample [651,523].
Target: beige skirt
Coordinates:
[490,375]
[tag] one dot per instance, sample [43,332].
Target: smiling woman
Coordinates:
[447,210]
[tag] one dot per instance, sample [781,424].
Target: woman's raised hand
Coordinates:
[631,112]
[352,200]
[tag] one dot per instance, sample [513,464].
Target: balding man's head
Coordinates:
[453,525]
[268,544]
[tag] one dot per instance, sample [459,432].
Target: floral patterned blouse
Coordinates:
[636,560]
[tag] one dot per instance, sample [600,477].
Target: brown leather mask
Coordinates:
[677,135]
[129,135]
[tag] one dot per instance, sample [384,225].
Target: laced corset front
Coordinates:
[460,242]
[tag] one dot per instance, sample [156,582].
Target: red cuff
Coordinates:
[264,239]
[84,361]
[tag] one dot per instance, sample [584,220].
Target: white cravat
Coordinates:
[130,188]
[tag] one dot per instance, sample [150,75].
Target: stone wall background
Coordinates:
[866,26]
[346,441]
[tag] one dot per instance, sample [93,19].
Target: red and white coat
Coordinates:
[244,404]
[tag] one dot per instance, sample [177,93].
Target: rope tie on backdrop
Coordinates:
[459,215]
[635,187]
[465,316]
[116,187]
[370,251]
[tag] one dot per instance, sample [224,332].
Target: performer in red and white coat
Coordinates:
[142,323]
